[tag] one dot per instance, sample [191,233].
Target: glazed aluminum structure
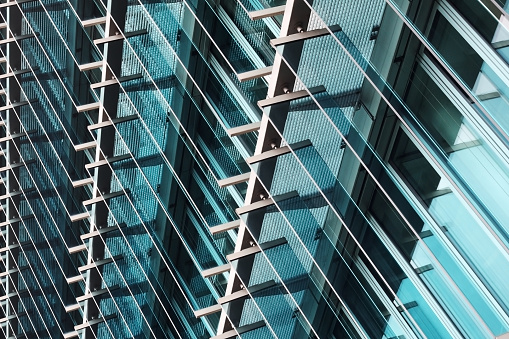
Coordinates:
[254,169]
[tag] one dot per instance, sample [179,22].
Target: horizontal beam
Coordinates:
[255,249]
[239,330]
[82,182]
[103,197]
[112,122]
[12,316]
[107,161]
[94,22]
[116,37]
[8,248]
[72,280]
[84,146]
[90,65]
[76,249]
[254,206]
[13,105]
[289,96]
[17,135]
[9,272]
[79,216]
[225,227]
[69,335]
[237,179]
[315,33]
[207,311]
[98,263]
[216,270]
[94,294]
[88,107]
[245,292]
[254,74]
[115,81]
[92,322]
[17,38]
[9,295]
[267,12]
[13,221]
[278,151]
[101,231]
[72,308]
[244,129]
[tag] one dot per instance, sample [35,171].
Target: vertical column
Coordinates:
[104,150]
[13,95]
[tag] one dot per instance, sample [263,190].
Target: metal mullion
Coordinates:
[482,47]
[136,258]
[339,218]
[195,149]
[191,11]
[8,329]
[34,110]
[100,235]
[248,293]
[167,162]
[111,297]
[435,260]
[59,196]
[429,252]
[246,106]
[37,119]
[162,154]
[19,323]
[36,152]
[114,261]
[465,108]
[160,203]
[177,58]
[236,35]
[474,99]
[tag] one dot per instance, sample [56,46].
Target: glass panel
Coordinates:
[477,245]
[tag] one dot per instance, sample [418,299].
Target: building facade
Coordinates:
[254,169]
